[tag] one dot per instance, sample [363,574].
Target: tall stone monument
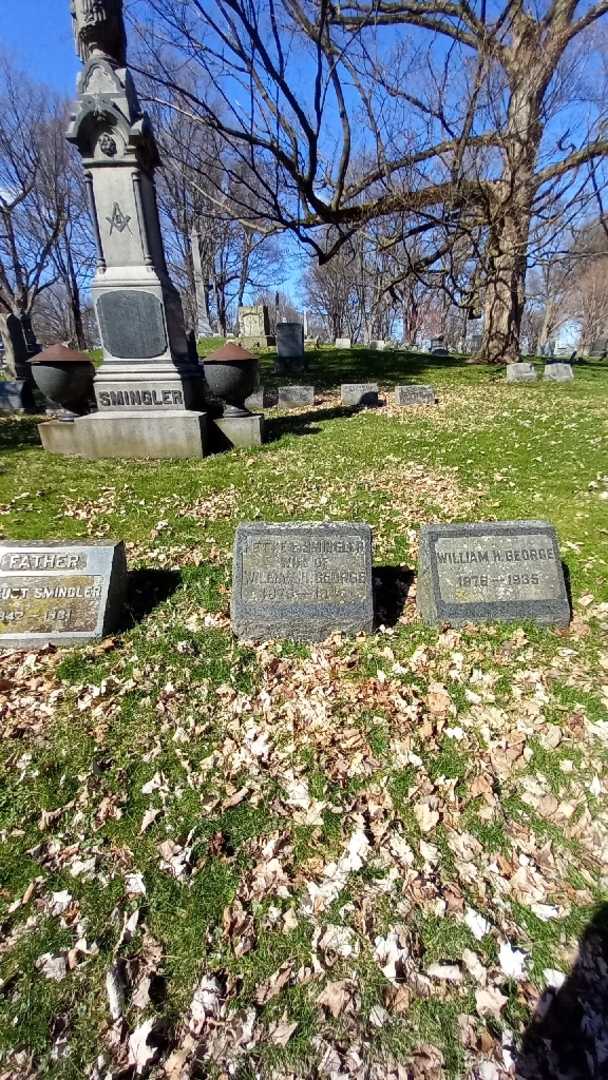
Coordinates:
[203,325]
[149,388]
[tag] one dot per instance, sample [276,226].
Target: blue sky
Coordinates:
[37,34]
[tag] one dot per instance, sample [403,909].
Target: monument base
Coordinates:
[154,434]
[237,431]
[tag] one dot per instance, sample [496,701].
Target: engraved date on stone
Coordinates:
[304,570]
[37,604]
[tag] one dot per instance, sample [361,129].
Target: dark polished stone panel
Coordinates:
[132,324]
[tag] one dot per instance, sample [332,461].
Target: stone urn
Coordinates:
[232,374]
[66,378]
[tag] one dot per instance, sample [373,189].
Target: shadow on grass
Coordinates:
[568,1036]
[391,587]
[146,589]
[329,368]
[303,423]
[19,433]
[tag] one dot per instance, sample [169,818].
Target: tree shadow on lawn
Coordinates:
[329,368]
[303,423]
[146,589]
[568,1037]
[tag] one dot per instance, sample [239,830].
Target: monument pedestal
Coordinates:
[237,431]
[179,433]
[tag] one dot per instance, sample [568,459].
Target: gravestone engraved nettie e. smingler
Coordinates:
[302,580]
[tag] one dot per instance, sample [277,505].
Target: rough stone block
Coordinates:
[167,434]
[491,572]
[414,395]
[302,581]
[57,592]
[522,372]
[359,393]
[558,372]
[237,431]
[293,397]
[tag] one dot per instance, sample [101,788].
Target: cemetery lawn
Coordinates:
[364,858]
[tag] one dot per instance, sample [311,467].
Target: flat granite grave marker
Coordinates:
[558,372]
[302,580]
[359,393]
[523,372]
[291,397]
[491,572]
[61,593]
[414,395]
[343,343]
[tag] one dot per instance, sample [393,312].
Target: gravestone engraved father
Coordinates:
[301,580]
[63,593]
[499,571]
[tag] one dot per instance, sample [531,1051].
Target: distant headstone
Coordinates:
[254,327]
[359,393]
[292,397]
[499,571]
[599,348]
[523,372]
[564,352]
[379,345]
[343,343]
[302,581]
[59,592]
[261,398]
[558,372]
[414,395]
[290,340]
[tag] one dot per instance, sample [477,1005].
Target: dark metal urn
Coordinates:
[231,373]
[66,378]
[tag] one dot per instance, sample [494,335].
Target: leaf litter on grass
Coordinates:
[366,858]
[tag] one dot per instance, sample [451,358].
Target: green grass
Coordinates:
[217,734]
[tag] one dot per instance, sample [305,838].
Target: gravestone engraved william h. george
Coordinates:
[414,395]
[494,571]
[302,581]
[63,593]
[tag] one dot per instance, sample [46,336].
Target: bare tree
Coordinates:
[33,193]
[452,120]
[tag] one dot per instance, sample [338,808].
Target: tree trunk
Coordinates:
[509,225]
